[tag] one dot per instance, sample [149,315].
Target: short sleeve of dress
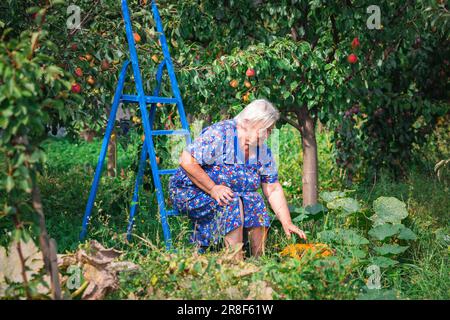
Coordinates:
[268,170]
[208,146]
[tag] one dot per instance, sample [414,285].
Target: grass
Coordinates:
[422,271]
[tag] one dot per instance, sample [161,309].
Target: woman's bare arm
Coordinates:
[222,194]
[195,172]
[275,195]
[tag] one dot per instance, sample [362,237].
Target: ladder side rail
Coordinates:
[145,121]
[170,69]
[143,157]
[101,159]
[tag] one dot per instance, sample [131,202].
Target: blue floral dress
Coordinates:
[216,150]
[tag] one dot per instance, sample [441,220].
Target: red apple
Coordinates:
[355,43]
[250,73]
[105,65]
[78,72]
[74,46]
[352,58]
[76,88]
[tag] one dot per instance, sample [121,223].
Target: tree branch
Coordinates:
[335,35]
[48,247]
[291,122]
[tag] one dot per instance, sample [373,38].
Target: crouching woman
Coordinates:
[218,178]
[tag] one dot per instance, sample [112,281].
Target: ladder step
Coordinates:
[167,171]
[172,212]
[128,98]
[170,132]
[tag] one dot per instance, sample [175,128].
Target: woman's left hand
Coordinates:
[289,228]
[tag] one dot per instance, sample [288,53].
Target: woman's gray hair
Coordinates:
[259,110]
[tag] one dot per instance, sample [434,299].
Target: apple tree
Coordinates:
[33,88]
[317,60]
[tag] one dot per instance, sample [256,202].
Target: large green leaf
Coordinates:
[330,196]
[390,249]
[328,236]
[310,212]
[316,211]
[351,237]
[300,213]
[348,205]
[384,231]
[388,210]
[383,262]
[407,234]
[343,236]
[357,253]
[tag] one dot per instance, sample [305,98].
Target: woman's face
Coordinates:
[256,134]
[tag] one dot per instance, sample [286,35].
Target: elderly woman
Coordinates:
[218,178]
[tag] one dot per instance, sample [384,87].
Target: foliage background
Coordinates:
[384,124]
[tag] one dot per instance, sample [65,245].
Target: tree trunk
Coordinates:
[319,126]
[309,146]
[48,246]
[112,153]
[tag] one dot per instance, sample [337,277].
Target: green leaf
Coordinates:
[349,205]
[351,237]
[383,262]
[330,196]
[358,253]
[384,231]
[36,156]
[286,94]
[310,212]
[344,236]
[9,183]
[25,185]
[407,234]
[315,209]
[294,85]
[388,210]
[390,249]
[328,236]
[320,89]
[7,112]
[197,267]
[301,217]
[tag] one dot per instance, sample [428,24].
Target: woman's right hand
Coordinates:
[222,194]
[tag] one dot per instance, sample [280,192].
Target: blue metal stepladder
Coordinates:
[147,121]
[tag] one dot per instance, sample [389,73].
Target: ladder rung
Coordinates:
[169,132]
[167,171]
[172,212]
[126,98]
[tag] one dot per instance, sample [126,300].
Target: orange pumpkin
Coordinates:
[298,250]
